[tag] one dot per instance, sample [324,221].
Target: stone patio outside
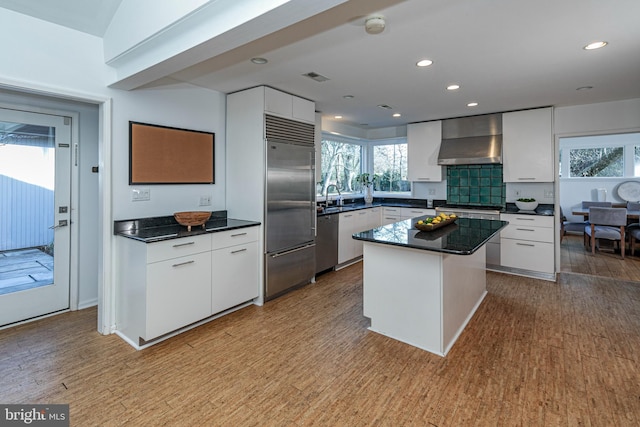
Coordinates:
[24,269]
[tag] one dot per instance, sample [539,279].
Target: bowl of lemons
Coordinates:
[433,223]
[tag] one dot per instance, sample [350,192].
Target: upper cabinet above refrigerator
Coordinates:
[288,106]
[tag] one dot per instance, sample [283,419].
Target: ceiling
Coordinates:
[505,55]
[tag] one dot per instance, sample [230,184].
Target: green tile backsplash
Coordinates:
[479,185]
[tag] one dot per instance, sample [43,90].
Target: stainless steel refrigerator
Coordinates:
[290,213]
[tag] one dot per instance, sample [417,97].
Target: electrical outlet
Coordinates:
[517,192]
[432,191]
[205,200]
[140,194]
[548,194]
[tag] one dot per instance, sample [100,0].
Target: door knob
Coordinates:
[61,223]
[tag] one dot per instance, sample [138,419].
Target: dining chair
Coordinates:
[606,223]
[570,226]
[633,228]
[633,206]
[586,204]
[589,204]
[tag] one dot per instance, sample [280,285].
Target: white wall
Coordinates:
[592,119]
[68,65]
[182,106]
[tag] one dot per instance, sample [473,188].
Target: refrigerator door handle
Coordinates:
[279,254]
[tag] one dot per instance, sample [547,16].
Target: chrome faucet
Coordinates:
[326,194]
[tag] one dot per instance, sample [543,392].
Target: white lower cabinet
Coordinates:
[346,245]
[234,275]
[353,222]
[168,285]
[527,243]
[178,293]
[391,215]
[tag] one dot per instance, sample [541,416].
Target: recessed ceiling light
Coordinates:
[259,61]
[337,117]
[397,114]
[472,104]
[453,87]
[585,88]
[595,45]
[424,63]
[348,96]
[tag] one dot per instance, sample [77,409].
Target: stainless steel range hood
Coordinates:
[471,140]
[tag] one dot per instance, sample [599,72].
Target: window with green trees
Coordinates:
[344,159]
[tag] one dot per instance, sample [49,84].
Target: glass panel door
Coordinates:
[35,178]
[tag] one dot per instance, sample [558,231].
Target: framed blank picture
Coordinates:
[166,155]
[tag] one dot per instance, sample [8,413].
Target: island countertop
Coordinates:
[463,237]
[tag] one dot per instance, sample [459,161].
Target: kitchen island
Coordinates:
[422,287]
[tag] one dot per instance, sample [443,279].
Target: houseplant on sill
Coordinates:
[367,180]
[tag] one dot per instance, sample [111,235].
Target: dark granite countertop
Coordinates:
[463,237]
[357,204]
[511,208]
[156,229]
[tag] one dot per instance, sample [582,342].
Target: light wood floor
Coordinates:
[606,263]
[536,353]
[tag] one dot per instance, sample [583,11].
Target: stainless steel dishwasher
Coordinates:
[327,242]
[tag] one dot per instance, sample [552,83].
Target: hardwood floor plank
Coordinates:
[534,353]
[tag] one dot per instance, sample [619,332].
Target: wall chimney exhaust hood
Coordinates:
[471,140]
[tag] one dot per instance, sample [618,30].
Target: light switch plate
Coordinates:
[140,194]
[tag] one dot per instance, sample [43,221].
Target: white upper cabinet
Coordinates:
[527,152]
[278,103]
[423,146]
[303,110]
[289,106]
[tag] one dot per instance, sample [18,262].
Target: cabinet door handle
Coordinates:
[239,234]
[183,263]
[424,179]
[525,244]
[524,229]
[184,244]
[526,179]
[239,250]
[525,219]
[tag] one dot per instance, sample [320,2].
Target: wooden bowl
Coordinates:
[431,227]
[192,219]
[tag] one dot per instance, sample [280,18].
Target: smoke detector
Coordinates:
[374,25]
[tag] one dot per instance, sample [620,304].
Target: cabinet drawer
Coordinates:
[391,211]
[416,212]
[527,232]
[178,293]
[239,236]
[534,256]
[168,249]
[532,220]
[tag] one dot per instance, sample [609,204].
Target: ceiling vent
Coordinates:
[385,106]
[315,76]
